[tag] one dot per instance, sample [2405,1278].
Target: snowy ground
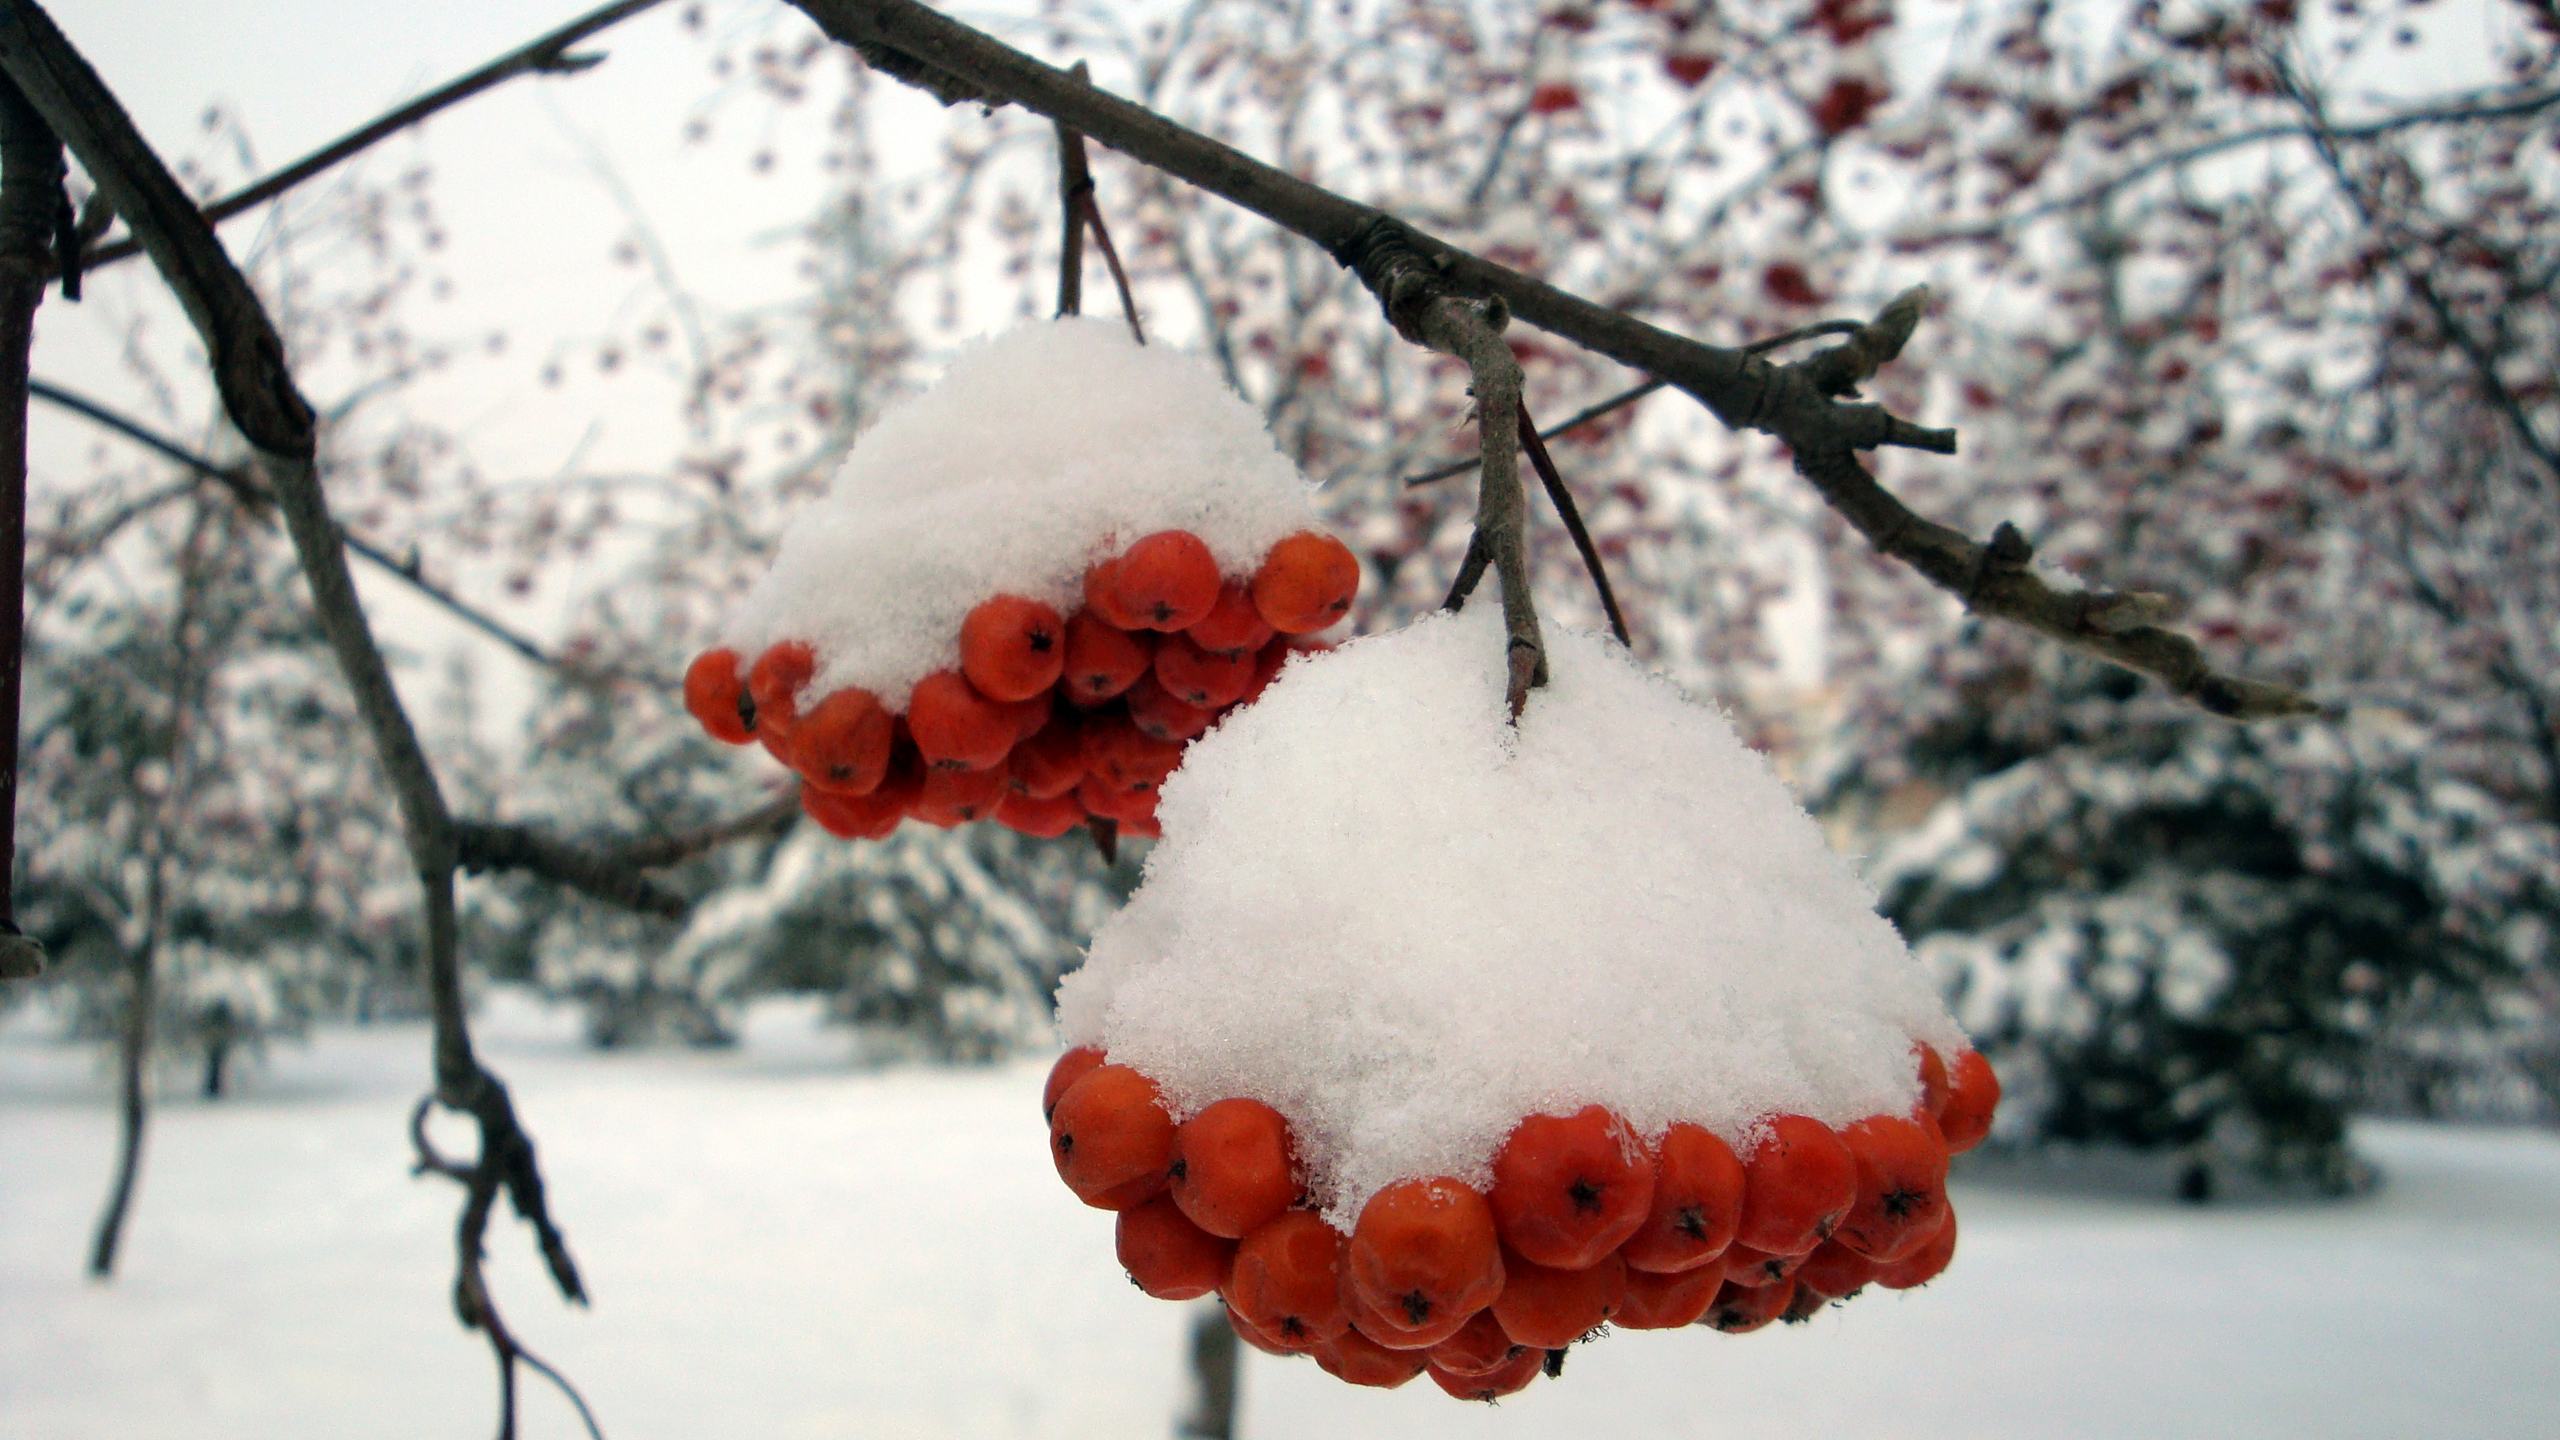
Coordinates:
[779,1247]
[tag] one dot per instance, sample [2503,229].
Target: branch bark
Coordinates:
[1797,403]
[31,205]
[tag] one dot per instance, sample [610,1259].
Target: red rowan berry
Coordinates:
[956,797]
[1697,1202]
[1424,1252]
[1287,1280]
[1050,762]
[1102,597]
[1196,677]
[1110,1135]
[1306,583]
[1902,1186]
[1041,819]
[1924,1264]
[854,817]
[1163,714]
[1012,648]
[1231,1167]
[1169,1257]
[1568,1189]
[716,695]
[1260,1339]
[773,685]
[1549,1308]
[1355,1359]
[1478,1348]
[1668,1300]
[1509,1378]
[955,727]
[1834,1271]
[1973,1092]
[1798,1181]
[1741,1309]
[1071,1067]
[1746,1266]
[1169,580]
[1102,659]
[1233,626]
[843,743]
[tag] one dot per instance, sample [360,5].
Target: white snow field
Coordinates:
[780,1245]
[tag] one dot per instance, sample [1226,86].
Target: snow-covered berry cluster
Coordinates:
[1048,720]
[1028,589]
[1585,1224]
[1433,1042]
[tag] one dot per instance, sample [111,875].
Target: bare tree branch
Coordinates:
[1797,403]
[1570,423]
[31,206]
[259,394]
[546,56]
[614,875]
[259,502]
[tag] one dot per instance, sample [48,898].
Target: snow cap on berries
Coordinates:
[1405,925]
[1038,452]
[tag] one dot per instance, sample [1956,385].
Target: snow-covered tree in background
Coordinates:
[2238,334]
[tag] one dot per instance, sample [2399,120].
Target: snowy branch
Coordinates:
[259,395]
[1799,403]
[548,55]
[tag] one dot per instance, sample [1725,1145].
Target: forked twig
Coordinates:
[1081,212]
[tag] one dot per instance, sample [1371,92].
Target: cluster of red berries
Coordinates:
[1586,1224]
[1049,720]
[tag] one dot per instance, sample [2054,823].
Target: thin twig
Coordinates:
[1111,257]
[546,56]
[1571,514]
[1570,423]
[1799,404]
[258,502]
[1075,181]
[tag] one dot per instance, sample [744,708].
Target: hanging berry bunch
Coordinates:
[1027,592]
[1435,1044]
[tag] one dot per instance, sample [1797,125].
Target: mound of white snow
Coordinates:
[1405,925]
[1037,453]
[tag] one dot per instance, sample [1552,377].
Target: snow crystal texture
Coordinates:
[1405,925]
[1039,452]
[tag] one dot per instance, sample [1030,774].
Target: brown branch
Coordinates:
[1796,403]
[259,395]
[31,206]
[1083,212]
[1418,304]
[1571,514]
[613,875]
[1075,181]
[546,56]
